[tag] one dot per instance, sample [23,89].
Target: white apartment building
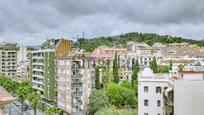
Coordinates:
[10,57]
[181,95]
[75,76]
[150,92]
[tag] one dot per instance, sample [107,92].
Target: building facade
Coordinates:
[42,68]
[150,92]
[10,57]
[75,83]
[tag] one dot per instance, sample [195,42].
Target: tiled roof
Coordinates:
[5,97]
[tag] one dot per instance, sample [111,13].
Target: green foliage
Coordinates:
[135,69]
[22,90]
[114,111]
[163,69]
[153,65]
[52,111]
[135,87]
[170,65]
[181,67]
[115,69]
[107,77]
[121,41]
[98,99]
[126,84]
[97,81]
[120,96]
[34,100]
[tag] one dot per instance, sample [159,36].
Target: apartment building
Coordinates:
[179,95]
[10,57]
[103,54]
[75,83]
[42,68]
[177,53]
[150,92]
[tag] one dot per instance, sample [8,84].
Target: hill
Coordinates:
[121,40]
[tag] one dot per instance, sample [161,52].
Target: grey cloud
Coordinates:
[33,21]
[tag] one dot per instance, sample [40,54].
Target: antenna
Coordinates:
[83,33]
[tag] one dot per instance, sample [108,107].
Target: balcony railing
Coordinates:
[77,103]
[76,84]
[77,94]
[77,76]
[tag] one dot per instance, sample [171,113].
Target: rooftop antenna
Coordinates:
[83,34]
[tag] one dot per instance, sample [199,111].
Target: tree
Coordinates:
[153,65]
[126,84]
[98,99]
[22,93]
[163,69]
[107,77]
[34,100]
[120,96]
[115,69]
[180,67]
[136,69]
[52,111]
[97,80]
[112,110]
[170,65]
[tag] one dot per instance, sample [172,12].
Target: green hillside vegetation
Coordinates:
[121,40]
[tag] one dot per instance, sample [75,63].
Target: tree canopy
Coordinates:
[98,99]
[120,96]
[121,40]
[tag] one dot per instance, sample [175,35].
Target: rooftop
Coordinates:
[5,97]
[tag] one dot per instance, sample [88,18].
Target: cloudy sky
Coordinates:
[30,22]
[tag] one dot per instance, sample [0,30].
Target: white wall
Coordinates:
[193,76]
[189,97]
[152,96]
[22,54]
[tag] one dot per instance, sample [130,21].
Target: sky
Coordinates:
[31,22]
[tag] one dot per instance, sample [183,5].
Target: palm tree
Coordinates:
[22,93]
[52,111]
[34,100]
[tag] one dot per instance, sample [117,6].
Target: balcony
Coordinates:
[76,85]
[77,76]
[77,81]
[77,103]
[38,76]
[38,63]
[37,82]
[76,66]
[77,94]
[38,57]
[40,70]
[38,88]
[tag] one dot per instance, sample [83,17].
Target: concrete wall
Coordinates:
[189,97]
[152,96]
[193,76]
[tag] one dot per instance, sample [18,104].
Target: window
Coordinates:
[158,103]
[145,88]
[146,102]
[145,113]
[158,90]
[127,77]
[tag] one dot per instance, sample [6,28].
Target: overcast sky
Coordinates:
[30,22]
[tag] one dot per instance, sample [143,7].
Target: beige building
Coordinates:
[42,68]
[75,76]
[10,57]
